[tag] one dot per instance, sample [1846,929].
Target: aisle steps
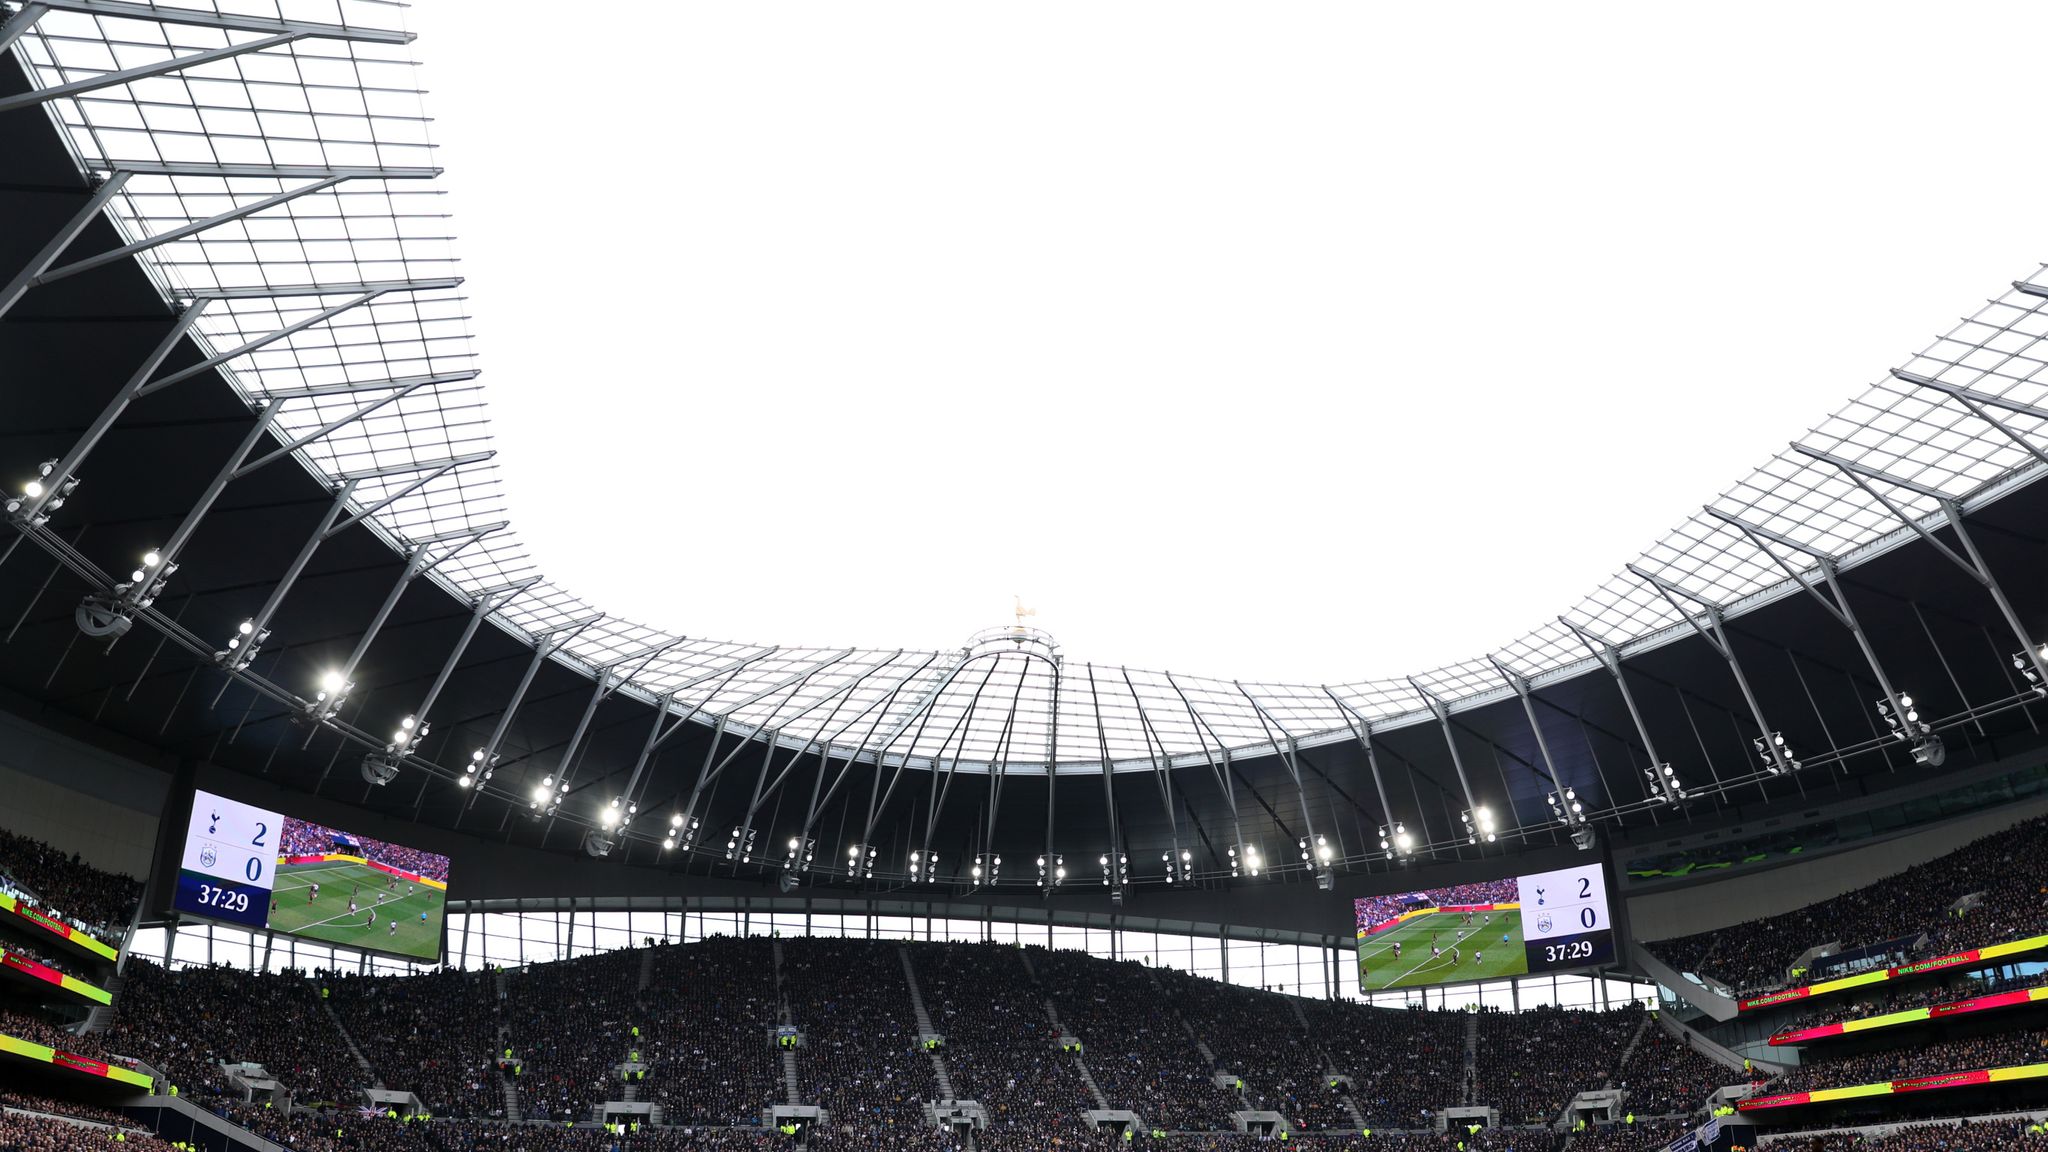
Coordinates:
[361,1061]
[1052,1014]
[1471,1055]
[925,1031]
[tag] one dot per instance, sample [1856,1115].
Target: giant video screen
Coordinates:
[261,869]
[1541,922]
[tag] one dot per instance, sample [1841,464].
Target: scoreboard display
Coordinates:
[1539,922]
[268,871]
[230,861]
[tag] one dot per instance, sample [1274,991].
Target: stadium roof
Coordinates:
[272,174]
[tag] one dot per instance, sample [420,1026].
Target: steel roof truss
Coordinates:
[1952,510]
[1717,639]
[36,272]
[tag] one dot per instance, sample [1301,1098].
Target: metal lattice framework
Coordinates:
[269,166]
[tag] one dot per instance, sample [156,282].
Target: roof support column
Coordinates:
[1716,635]
[2030,651]
[33,273]
[1837,606]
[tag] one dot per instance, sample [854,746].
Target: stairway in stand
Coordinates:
[1052,1014]
[1471,1054]
[361,1061]
[1329,1070]
[646,969]
[924,1025]
[1630,1050]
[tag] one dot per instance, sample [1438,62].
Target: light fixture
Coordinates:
[2026,669]
[740,845]
[1178,864]
[547,795]
[334,688]
[1665,787]
[242,646]
[1318,855]
[987,869]
[147,581]
[406,740]
[1566,808]
[798,856]
[1051,872]
[1395,841]
[41,486]
[1478,824]
[861,863]
[923,866]
[1776,756]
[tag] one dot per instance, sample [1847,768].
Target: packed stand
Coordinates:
[66,887]
[860,1057]
[1903,999]
[1258,1037]
[435,1035]
[572,1025]
[22,1133]
[50,958]
[1375,910]
[2008,867]
[186,1023]
[1140,1055]
[1665,1077]
[36,1030]
[1000,1049]
[712,1007]
[1640,1136]
[1530,1064]
[1405,1064]
[1978,1136]
[1999,1050]
[76,1111]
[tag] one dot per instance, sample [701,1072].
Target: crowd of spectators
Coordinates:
[2009,867]
[24,1133]
[305,838]
[1982,1136]
[1405,1063]
[1001,1050]
[36,1030]
[1139,1053]
[51,958]
[435,1035]
[1375,910]
[64,887]
[1664,1077]
[1260,1039]
[861,1060]
[188,1022]
[73,1109]
[1641,1136]
[1901,999]
[1530,1064]
[571,1027]
[712,1005]
[1997,1050]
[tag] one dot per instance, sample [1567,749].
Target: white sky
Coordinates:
[1301,342]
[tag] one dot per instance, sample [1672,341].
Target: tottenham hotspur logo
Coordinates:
[207,857]
[1543,923]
